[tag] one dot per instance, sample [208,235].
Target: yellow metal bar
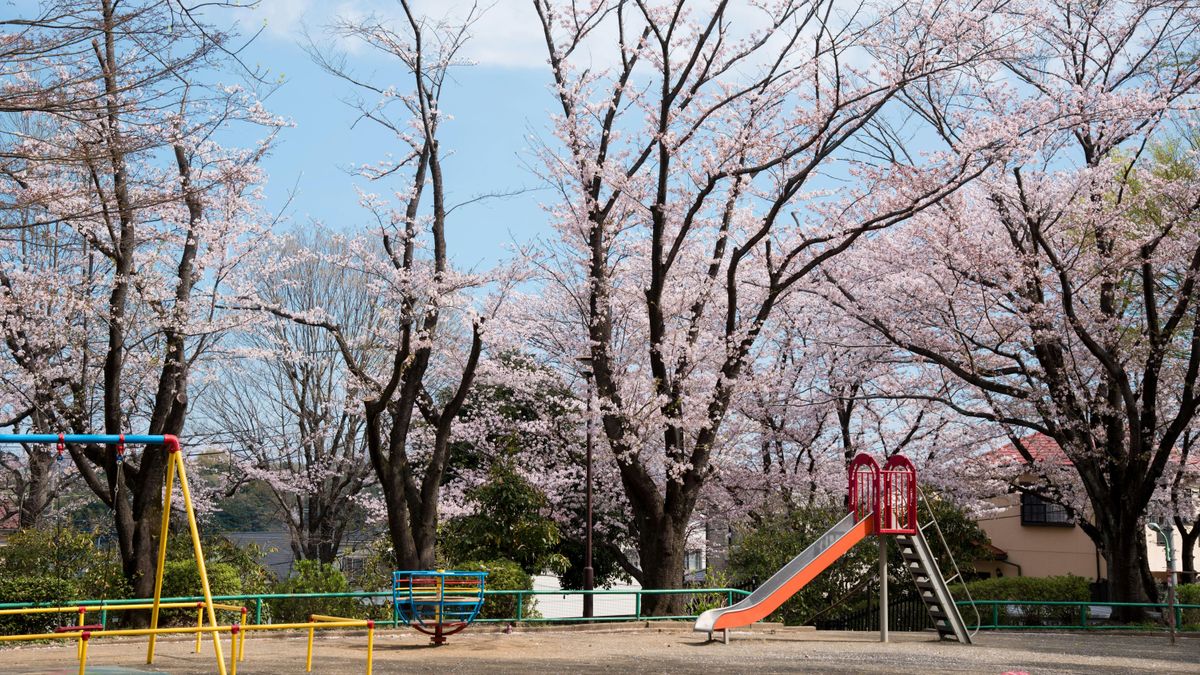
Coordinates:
[79,647]
[198,550]
[163,529]
[370,646]
[199,624]
[242,642]
[83,657]
[323,618]
[233,652]
[111,608]
[308,661]
[303,626]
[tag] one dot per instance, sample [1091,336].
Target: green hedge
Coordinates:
[1069,588]
[48,590]
[181,579]
[503,575]
[311,576]
[1189,594]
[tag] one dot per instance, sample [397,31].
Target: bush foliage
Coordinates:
[311,576]
[503,575]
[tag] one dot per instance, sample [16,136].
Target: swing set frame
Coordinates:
[175,470]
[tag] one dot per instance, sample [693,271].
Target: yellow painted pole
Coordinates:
[83,652]
[242,642]
[199,624]
[162,549]
[198,550]
[311,631]
[370,646]
[79,647]
[233,649]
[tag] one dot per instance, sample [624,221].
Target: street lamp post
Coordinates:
[589,580]
[1166,539]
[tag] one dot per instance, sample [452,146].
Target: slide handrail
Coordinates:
[954,563]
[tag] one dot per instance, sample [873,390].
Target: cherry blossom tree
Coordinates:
[1057,295]
[422,353]
[696,150]
[145,215]
[282,407]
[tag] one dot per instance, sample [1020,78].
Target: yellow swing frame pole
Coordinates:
[175,465]
[169,483]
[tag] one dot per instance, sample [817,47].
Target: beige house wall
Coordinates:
[1039,550]
[1052,550]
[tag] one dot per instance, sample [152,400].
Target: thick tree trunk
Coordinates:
[38,492]
[1124,544]
[1187,548]
[661,552]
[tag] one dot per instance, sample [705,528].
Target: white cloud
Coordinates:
[282,18]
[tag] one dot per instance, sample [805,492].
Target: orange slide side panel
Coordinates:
[758,612]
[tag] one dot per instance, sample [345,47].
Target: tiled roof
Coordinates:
[1045,450]
[1041,447]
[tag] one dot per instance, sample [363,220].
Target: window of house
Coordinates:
[1037,511]
[692,560]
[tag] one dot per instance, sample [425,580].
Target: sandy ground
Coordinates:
[638,649]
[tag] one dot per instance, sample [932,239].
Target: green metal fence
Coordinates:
[1076,615]
[995,614]
[259,604]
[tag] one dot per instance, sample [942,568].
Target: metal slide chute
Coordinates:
[791,578]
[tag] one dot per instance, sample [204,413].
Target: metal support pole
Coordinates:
[589,579]
[883,590]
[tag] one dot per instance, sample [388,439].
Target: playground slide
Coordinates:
[787,581]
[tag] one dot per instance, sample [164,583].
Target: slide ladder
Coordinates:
[932,587]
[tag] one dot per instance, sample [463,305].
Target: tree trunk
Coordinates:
[1128,572]
[38,492]
[661,552]
[1187,547]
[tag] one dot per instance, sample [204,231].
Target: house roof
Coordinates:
[1041,447]
[1045,450]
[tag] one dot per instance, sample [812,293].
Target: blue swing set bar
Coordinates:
[102,439]
[437,603]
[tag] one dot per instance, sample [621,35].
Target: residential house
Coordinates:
[1036,538]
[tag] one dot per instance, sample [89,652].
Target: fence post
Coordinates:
[995,616]
[637,606]
[1083,615]
[258,610]
[520,604]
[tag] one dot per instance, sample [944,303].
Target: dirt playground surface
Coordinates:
[637,649]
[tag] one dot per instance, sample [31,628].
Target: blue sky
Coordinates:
[495,104]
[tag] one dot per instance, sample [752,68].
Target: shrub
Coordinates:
[1189,594]
[63,553]
[45,589]
[1069,588]
[503,575]
[701,602]
[311,576]
[511,524]
[182,579]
